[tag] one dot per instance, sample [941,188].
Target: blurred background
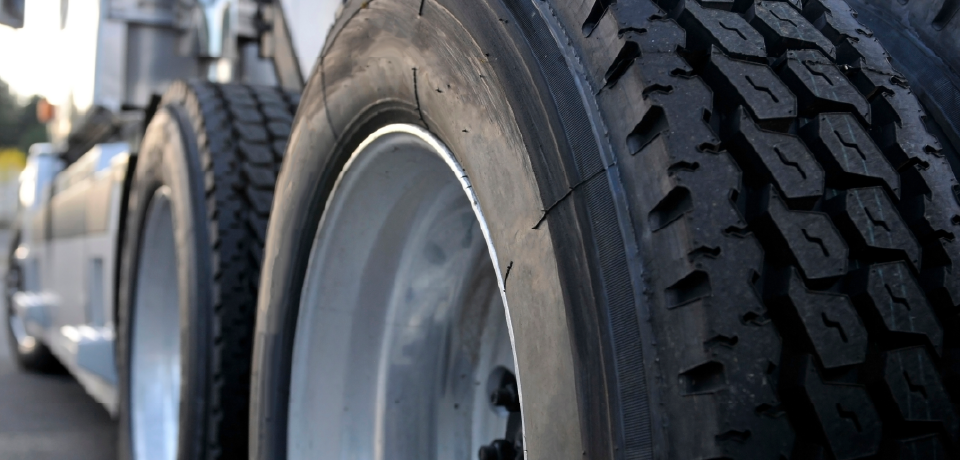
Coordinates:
[42,416]
[19,127]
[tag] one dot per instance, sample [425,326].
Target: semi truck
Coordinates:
[498,229]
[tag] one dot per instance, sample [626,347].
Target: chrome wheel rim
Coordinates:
[26,343]
[155,338]
[402,325]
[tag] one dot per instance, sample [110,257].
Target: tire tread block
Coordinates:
[871,222]
[810,237]
[753,85]
[829,321]
[683,145]
[256,152]
[724,29]
[898,123]
[847,151]
[819,84]
[782,157]
[917,390]
[846,413]
[921,448]
[856,45]
[896,297]
[785,28]
[259,176]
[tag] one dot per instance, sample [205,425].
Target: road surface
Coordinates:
[48,417]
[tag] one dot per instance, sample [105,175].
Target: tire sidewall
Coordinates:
[168,157]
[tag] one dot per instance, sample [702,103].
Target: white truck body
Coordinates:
[67,250]
[118,55]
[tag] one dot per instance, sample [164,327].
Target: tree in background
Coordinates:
[19,127]
[9,117]
[31,131]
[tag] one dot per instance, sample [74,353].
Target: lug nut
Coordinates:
[506,396]
[497,450]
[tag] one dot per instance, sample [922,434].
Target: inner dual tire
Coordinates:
[194,229]
[718,229]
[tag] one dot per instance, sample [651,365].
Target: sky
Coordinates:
[27,60]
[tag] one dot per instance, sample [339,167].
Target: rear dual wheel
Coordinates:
[719,230]
[199,202]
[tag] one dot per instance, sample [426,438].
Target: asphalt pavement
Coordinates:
[49,417]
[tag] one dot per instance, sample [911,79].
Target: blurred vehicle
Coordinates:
[500,228]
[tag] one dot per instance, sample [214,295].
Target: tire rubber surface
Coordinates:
[812,215]
[219,148]
[754,225]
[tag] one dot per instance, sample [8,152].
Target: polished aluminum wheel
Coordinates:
[155,356]
[401,335]
[26,343]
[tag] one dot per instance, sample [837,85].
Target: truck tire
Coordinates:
[30,353]
[722,229]
[198,207]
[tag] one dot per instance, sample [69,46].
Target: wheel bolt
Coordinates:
[506,396]
[497,450]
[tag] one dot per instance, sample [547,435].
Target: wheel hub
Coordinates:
[155,339]
[401,317]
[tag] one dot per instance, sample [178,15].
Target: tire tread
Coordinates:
[728,223]
[241,134]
